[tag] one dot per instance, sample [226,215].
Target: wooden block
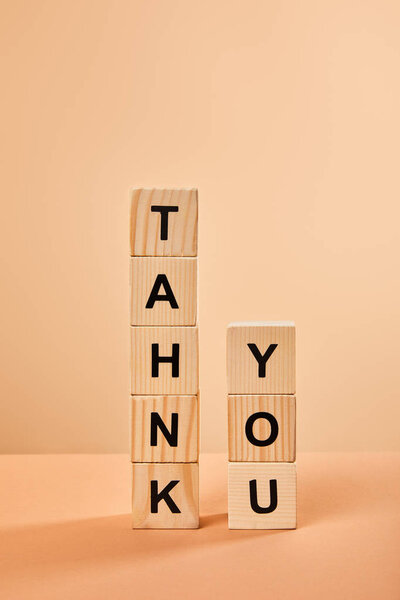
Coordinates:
[165,496]
[262,495]
[261,358]
[164,429]
[163,291]
[262,428]
[164,360]
[164,223]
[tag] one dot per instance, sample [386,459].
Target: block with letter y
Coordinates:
[261,357]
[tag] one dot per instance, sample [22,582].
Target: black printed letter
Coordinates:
[171,436]
[262,359]
[161,280]
[273,495]
[249,429]
[156,359]
[156,496]
[164,210]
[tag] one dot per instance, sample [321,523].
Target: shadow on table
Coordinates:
[100,539]
[322,495]
[107,539]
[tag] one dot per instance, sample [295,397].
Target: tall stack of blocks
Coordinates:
[261,425]
[164,359]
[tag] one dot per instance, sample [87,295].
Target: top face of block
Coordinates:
[261,358]
[164,222]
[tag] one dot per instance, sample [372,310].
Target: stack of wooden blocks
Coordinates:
[261,425]
[164,363]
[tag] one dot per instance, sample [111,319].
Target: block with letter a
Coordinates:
[164,359]
[261,425]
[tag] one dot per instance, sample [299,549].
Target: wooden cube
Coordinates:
[164,429]
[163,291]
[261,358]
[165,496]
[164,360]
[262,428]
[164,222]
[262,495]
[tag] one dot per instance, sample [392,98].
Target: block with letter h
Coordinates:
[261,425]
[164,359]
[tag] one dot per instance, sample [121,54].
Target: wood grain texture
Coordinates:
[282,408]
[186,450]
[242,366]
[142,381]
[240,512]
[181,274]
[146,225]
[184,494]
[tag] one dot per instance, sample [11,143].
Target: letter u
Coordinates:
[273,491]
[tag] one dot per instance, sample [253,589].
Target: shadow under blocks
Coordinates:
[261,425]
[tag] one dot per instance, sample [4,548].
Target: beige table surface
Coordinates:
[65,533]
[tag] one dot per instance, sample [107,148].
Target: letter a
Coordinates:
[155,296]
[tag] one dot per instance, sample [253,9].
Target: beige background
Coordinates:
[285,115]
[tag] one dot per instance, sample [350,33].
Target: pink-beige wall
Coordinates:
[286,117]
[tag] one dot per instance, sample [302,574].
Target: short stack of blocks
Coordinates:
[261,425]
[164,359]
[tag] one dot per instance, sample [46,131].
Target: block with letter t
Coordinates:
[164,222]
